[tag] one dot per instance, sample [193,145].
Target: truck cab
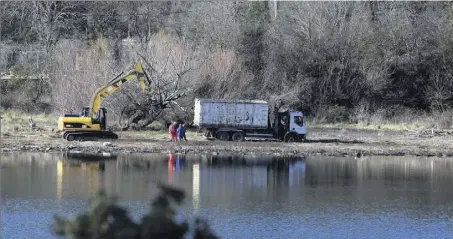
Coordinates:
[297,123]
[291,126]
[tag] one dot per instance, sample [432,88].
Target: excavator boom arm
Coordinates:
[113,85]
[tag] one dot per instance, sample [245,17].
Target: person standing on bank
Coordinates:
[172,130]
[182,132]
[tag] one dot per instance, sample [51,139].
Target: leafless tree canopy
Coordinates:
[325,58]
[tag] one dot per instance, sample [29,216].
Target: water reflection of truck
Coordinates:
[223,182]
[237,119]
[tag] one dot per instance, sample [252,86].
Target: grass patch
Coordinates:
[157,125]
[14,121]
[404,120]
[385,126]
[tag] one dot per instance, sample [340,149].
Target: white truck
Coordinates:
[235,120]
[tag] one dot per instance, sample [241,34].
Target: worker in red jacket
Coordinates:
[172,130]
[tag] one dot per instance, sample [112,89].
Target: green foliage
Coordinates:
[105,219]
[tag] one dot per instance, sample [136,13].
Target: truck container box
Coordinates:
[241,114]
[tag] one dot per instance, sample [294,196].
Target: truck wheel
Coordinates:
[224,136]
[238,136]
[290,138]
[70,137]
[302,138]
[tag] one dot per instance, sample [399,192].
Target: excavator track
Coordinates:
[88,135]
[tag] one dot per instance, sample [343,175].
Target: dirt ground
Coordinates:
[331,142]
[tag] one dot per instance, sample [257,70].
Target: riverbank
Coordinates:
[16,135]
[321,141]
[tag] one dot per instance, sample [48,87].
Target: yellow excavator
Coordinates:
[91,123]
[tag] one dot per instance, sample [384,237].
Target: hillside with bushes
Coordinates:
[336,61]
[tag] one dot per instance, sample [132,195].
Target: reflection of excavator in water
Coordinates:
[74,168]
[91,123]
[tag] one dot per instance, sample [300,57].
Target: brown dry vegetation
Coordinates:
[365,63]
[16,135]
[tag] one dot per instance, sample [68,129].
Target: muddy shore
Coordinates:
[329,142]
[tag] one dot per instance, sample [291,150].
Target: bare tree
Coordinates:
[440,91]
[76,71]
[221,75]
[167,62]
[51,18]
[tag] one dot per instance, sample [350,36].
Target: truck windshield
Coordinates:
[299,120]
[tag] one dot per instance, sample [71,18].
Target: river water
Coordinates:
[317,197]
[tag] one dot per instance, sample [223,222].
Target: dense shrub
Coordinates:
[105,219]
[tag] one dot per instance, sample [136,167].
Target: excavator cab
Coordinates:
[85,112]
[101,118]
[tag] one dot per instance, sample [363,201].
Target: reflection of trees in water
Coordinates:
[227,178]
[212,161]
[217,177]
[220,177]
[29,159]
[51,174]
[346,171]
[330,172]
[140,161]
[382,178]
